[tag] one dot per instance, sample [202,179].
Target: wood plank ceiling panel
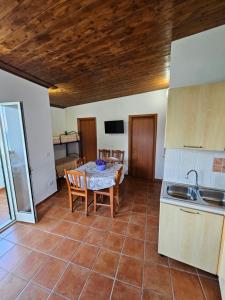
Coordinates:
[94,50]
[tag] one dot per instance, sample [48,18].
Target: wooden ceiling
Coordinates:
[94,50]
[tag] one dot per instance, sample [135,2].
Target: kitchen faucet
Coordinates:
[196,177]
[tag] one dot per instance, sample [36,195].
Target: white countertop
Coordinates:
[189,204]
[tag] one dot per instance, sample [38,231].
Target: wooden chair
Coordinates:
[112,193]
[103,153]
[80,162]
[77,187]
[119,155]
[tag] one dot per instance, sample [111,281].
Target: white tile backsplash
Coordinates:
[179,161]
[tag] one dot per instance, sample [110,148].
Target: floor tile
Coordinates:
[33,292]
[186,286]
[48,243]
[136,231]
[122,291]
[65,249]
[152,295]
[138,219]
[157,278]
[114,242]
[97,287]
[85,255]
[106,263]
[5,246]
[206,274]
[78,232]
[95,237]
[62,228]
[211,288]
[11,258]
[11,286]
[88,221]
[119,227]
[50,273]
[30,265]
[175,264]
[134,248]
[54,296]
[18,234]
[130,271]
[3,273]
[33,238]
[73,216]
[102,223]
[151,254]
[72,281]
[46,223]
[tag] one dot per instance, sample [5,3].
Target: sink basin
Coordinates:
[182,192]
[216,198]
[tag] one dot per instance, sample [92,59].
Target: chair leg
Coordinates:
[95,196]
[86,205]
[111,202]
[70,202]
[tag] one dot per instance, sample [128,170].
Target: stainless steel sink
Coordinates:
[182,192]
[213,197]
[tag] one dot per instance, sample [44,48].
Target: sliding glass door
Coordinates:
[14,147]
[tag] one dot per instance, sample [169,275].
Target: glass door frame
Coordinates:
[9,193]
[19,215]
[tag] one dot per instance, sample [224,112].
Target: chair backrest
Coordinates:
[103,153]
[118,176]
[76,180]
[119,154]
[80,162]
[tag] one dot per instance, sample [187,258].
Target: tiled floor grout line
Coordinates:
[117,269]
[203,291]
[90,272]
[171,280]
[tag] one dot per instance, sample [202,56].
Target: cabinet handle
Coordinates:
[190,212]
[197,147]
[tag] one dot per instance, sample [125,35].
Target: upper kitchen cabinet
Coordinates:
[195,117]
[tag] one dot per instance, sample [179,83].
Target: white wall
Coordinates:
[179,161]
[38,129]
[58,118]
[198,59]
[120,109]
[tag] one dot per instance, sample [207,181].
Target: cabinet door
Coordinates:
[185,120]
[190,236]
[214,130]
[221,268]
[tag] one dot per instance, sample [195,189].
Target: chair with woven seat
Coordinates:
[77,187]
[118,155]
[112,193]
[103,153]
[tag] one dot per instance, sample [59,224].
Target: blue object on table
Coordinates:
[101,167]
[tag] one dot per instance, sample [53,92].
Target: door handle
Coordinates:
[190,212]
[197,147]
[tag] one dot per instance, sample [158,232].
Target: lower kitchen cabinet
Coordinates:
[221,269]
[190,236]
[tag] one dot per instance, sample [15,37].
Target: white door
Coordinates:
[14,144]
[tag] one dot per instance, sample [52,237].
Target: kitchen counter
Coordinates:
[201,205]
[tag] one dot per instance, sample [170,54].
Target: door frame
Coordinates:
[131,117]
[78,127]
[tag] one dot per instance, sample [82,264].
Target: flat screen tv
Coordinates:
[114,126]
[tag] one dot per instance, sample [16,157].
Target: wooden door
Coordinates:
[142,140]
[87,130]
[190,236]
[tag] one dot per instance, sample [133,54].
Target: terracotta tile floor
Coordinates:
[69,256]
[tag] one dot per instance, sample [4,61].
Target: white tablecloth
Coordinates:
[97,180]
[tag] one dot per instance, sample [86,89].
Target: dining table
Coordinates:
[98,180]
